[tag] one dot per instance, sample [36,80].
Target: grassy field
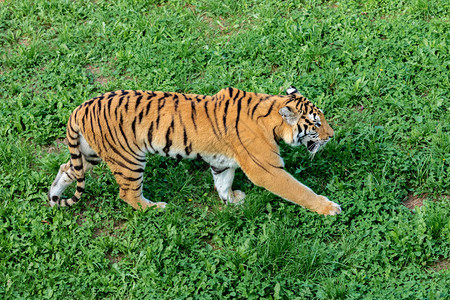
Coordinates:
[379,70]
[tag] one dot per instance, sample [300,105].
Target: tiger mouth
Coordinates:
[313,147]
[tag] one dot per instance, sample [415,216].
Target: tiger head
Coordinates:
[304,123]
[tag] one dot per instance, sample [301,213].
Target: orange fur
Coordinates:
[231,129]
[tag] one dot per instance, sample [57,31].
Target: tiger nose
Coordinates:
[331,134]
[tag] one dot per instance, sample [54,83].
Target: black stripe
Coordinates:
[215,116]
[78,168]
[230,91]
[238,114]
[119,163]
[188,149]
[121,100]
[73,130]
[71,176]
[138,101]
[275,137]
[125,138]
[133,127]
[93,162]
[73,145]
[128,178]
[109,104]
[138,147]
[269,111]
[276,153]
[166,148]
[130,189]
[249,98]
[193,115]
[111,95]
[88,103]
[185,97]
[80,189]
[75,156]
[254,108]
[278,167]
[217,171]
[83,121]
[99,112]
[119,153]
[175,97]
[236,96]
[109,129]
[161,104]
[225,110]
[94,156]
[300,101]
[116,109]
[149,104]
[92,117]
[126,104]
[210,121]
[150,136]
[185,138]
[290,100]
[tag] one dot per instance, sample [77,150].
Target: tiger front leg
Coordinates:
[223,180]
[281,183]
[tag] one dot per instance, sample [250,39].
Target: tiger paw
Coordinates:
[161,205]
[154,205]
[238,197]
[328,208]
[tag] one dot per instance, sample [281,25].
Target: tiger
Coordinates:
[229,130]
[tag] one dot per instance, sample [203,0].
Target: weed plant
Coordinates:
[379,70]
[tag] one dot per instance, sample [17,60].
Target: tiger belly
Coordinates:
[215,160]
[222,168]
[220,161]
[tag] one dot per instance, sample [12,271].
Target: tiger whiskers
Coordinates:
[313,149]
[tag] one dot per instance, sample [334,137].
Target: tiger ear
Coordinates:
[291,90]
[289,116]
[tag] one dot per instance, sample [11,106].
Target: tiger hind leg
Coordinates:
[129,179]
[223,180]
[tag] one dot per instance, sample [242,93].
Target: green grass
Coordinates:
[379,70]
